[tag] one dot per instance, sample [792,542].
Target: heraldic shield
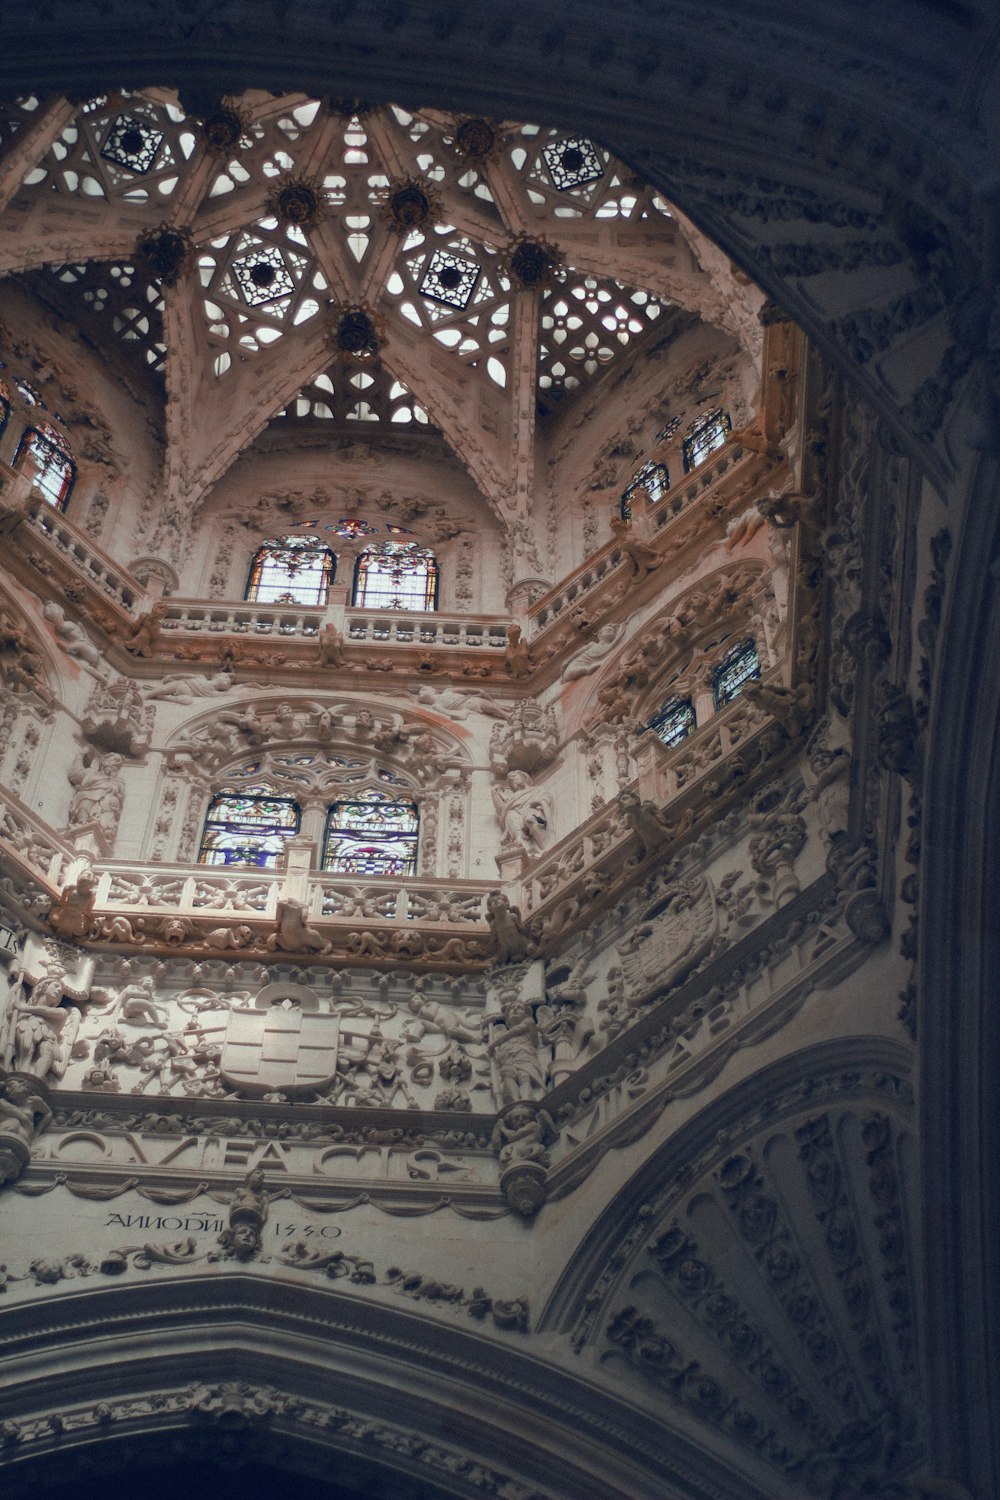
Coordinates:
[280,1050]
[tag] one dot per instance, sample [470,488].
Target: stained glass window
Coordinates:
[653,480]
[674,722]
[396,575]
[377,836]
[704,436]
[248,826]
[4,405]
[291,570]
[43,454]
[738,666]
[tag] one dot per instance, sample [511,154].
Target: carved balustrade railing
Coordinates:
[453,632]
[728,474]
[27,839]
[59,534]
[287,621]
[689,783]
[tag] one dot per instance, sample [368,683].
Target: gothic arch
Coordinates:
[491,1415]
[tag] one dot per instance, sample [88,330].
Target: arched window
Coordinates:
[4,405]
[674,722]
[653,479]
[739,665]
[396,575]
[291,570]
[43,454]
[248,826]
[704,436]
[376,835]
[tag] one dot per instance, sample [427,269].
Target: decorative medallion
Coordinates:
[222,132]
[280,1049]
[410,203]
[263,275]
[296,200]
[132,143]
[532,263]
[165,253]
[573,163]
[450,279]
[355,331]
[477,139]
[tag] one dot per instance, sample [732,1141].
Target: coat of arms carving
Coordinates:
[671,938]
[280,1049]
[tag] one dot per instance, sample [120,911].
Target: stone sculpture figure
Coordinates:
[513,1049]
[331,646]
[73,914]
[43,1031]
[517,657]
[136,1003]
[589,658]
[513,940]
[23,1113]
[99,795]
[145,635]
[642,558]
[293,933]
[186,689]
[73,639]
[524,813]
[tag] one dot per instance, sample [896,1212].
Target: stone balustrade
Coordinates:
[731,464]
[284,621]
[29,840]
[85,556]
[453,632]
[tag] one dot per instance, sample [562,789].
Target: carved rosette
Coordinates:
[532,263]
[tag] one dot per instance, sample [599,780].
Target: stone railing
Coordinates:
[287,621]
[237,908]
[453,632]
[26,838]
[730,465]
[69,543]
[687,783]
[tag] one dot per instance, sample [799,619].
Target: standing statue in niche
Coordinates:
[524,813]
[99,796]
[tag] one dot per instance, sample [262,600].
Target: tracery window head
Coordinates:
[43,454]
[248,826]
[674,722]
[291,570]
[705,436]
[376,835]
[740,665]
[652,482]
[396,575]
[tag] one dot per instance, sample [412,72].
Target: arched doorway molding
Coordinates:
[311,1380]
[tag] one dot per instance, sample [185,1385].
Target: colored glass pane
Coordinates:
[653,480]
[674,722]
[248,827]
[376,836]
[737,667]
[704,437]
[43,456]
[396,575]
[291,570]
